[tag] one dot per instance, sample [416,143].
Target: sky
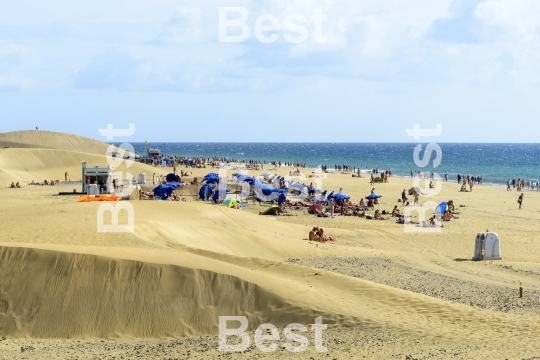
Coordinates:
[339,71]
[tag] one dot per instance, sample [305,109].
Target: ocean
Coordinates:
[495,162]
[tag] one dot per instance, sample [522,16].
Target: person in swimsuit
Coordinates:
[520,200]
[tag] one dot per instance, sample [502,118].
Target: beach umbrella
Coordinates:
[315,208]
[163,191]
[442,207]
[210,176]
[212,180]
[172,178]
[205,192]
[373,196]
[330,196]
[341,196]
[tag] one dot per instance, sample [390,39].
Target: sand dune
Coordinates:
[55,294]
[188,263]
[52,140]
[25,165]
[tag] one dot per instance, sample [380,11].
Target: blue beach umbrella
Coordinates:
[338,197]
[373,196]
[442,207]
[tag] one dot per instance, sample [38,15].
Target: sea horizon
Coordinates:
[495,162]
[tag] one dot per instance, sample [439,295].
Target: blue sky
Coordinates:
[472,66]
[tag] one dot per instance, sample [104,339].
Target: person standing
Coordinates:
[66,175]
[508,188]
[403,197]
[520,200]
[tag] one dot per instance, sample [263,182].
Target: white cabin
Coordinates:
[95,175]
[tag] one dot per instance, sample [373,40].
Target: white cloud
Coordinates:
[516,18]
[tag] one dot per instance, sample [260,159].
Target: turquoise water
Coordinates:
[495,162]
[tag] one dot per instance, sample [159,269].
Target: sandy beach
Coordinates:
[68,291]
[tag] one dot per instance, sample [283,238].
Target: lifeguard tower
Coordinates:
[94,175]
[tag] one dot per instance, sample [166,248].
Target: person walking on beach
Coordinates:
[66,176]
[415,197]
[372,179]
[508,188]
[520,200]
[403,197]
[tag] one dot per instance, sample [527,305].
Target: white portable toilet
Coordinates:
[92,189]
[490,243]
[142,178]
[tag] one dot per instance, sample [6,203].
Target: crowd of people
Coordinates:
[215,161]
[521,184]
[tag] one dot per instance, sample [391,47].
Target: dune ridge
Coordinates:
[52,140]
[50,294]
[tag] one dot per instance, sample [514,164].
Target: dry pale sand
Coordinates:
[68,291]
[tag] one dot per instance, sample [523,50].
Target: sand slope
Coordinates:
[25,165]
[51,140]
[55,294]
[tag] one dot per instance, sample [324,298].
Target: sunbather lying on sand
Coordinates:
[176,197]
[275,210]
[296,203]
[402,220]
[324,237]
